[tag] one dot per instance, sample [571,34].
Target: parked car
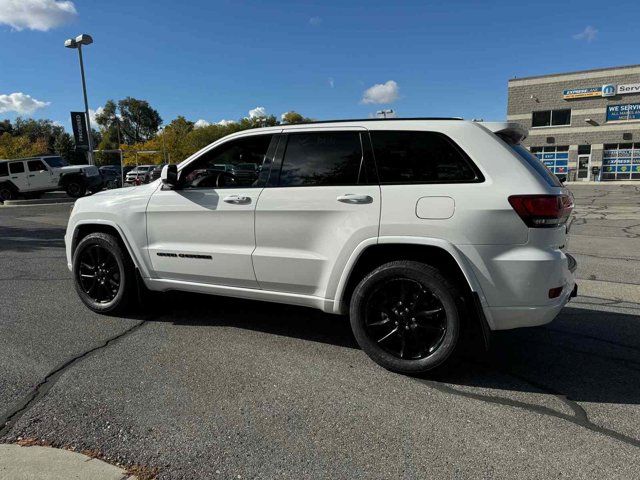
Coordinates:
[137,175]
[154,174]
[111,176]
[424,231]
[31,177]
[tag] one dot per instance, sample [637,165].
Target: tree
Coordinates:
[21,146]
[130,120]
[294,117]
[65,147]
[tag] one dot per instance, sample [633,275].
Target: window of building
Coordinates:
[321,159]
[621,161]
[420,157]
[548,118]
[236,163]
[36,165]
[555,159]
[16,167]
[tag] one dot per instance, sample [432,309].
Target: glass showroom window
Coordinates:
[621,161]
[555,158]
[548,118]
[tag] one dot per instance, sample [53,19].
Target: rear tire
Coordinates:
[6,193]
[406,316]
[104,275]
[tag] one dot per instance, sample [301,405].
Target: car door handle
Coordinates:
[237,199]
[32,175]
[354,198]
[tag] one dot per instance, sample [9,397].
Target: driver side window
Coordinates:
[234,164]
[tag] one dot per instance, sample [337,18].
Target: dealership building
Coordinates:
[583,125]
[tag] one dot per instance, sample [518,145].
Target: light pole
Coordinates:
[384,113]
[77,43]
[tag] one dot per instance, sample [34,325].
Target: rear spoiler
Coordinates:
[512,133]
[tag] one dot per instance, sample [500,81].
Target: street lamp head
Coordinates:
[70,43]
[84,39]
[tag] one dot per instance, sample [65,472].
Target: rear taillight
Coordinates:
[542,211]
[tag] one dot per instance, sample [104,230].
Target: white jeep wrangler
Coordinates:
[31,177]
[419,229]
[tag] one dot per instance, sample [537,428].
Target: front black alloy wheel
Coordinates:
[406,316]
[103,273]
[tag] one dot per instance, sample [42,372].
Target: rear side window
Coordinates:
[4,169]
[420,157]
[321,159]
[36,165]
[16,167]
[537,165]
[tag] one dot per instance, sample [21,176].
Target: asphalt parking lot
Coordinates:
[207,387]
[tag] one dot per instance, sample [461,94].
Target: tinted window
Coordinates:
[55,162]
[537,165]
[420,157]
[16,167]
[561,117]
[228,165]
[331,158]
[36,165]
[541,119]
[4,169]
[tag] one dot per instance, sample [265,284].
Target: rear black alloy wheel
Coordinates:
[406,316]
[104,274]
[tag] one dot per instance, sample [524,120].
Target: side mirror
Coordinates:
[169,175]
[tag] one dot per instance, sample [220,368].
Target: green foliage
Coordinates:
[129,121]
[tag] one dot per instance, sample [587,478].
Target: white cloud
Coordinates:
[331,82]
[40,15]
[201,123]
[92,116]
[258,112]
[589,34]
[20,103]
[381,93]
[315,21]
[224,123]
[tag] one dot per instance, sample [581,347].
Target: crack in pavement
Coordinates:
[8,419]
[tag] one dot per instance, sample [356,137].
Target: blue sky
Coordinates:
[217,60]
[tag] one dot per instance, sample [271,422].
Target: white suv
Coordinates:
[419,229]
[31,177]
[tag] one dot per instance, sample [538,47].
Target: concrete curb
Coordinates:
[38,201]
[45,463]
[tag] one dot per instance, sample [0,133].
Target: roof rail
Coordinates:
[375,120]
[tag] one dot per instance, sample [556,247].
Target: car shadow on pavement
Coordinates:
[31,239]
[586,355]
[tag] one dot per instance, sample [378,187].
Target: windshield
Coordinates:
[55,162]
[537,165]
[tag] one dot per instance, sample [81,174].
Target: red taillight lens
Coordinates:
[542,211]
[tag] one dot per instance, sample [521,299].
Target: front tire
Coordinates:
[104,275]
[406,316]
[76,189]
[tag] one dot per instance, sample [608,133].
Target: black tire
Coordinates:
[411,337]
[76,189]
[6,192]
[101,256]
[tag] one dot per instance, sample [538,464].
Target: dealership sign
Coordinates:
[630,88]
[608,90]
[582,92]
[630,111]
